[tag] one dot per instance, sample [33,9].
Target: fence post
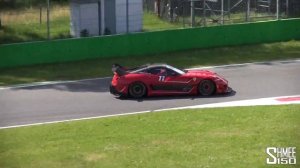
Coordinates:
[277,9]
[287,8]
[248,11]
[222,12]
[204,12]
[269,7]
[127,16]
[193,13]
[228,8]
[41,14]
[48,19]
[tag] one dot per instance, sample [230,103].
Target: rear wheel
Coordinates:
[137,90]
[206,87]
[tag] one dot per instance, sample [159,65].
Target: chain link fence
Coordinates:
[36,20]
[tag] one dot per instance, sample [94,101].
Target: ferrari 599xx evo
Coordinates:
[163,79]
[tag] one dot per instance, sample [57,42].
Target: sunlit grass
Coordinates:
[152,22]
[222,137]
[30,24]
[24,24]
[27,25]
[32,15]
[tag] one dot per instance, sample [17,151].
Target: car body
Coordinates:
[163,79]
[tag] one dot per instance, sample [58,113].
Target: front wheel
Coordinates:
[206,87]
[137,90]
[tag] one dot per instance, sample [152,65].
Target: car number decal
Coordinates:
[161,78]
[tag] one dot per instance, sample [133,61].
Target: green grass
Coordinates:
[192,58]
[21,25]
[24,24]
[151,22]
[222,137]
[34,32]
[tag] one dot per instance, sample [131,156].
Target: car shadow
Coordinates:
[93,85]
[156,98]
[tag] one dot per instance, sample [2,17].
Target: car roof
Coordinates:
[147,66]
[157,65]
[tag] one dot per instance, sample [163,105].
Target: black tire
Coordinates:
[137,90]
[206,87]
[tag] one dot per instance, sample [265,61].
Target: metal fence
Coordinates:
[38,20]
[34,21]
[197,13]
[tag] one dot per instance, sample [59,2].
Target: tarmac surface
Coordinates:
[91,98]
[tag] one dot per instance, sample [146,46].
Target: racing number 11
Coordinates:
[161,78]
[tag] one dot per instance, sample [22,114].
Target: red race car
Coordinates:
[163,79]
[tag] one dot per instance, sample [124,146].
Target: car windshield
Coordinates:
[179,71]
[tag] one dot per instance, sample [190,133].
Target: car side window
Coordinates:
[161,71]
[171,72]
[154,71]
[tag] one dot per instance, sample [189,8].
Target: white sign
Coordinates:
[279,155]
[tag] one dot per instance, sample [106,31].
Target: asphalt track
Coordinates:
[91,98]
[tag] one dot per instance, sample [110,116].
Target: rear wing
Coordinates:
[119,70]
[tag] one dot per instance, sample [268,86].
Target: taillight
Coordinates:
[115,79]
[115,75]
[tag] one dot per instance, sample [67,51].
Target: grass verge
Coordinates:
[102,67]
[151,23]
[28,25]
[221,137]
[21,25]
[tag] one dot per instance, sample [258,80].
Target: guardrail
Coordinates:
[140,44]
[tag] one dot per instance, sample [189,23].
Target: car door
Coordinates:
[155,78]
[165,80]
[176,83]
